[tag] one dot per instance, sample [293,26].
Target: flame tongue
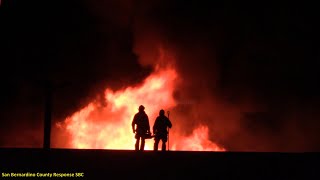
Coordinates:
[198,141]
[109,127]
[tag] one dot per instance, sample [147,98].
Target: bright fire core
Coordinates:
[108,125]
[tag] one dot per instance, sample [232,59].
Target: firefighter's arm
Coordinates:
[148,124]
[154,127]
[133,124]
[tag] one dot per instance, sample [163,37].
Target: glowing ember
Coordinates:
[109,127]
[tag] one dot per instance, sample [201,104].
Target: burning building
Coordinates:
[235,78]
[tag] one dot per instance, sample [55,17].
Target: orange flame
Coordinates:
[198,141]
[108,126]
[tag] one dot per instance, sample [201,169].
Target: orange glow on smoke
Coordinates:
[108,126]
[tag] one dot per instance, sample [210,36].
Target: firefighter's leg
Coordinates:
[163,145]
[164,141]
[156,142]
[142,144]
[137,143]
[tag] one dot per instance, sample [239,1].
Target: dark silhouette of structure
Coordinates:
[160,130]
[47,116]
[143,127]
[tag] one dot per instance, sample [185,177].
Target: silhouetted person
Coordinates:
[142,121]
[160,130]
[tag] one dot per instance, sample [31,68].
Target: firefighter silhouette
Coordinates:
[160,130]
[140,126]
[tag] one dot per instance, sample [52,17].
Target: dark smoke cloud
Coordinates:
[249,71]
[81,47]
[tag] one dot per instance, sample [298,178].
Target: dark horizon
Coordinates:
[160,165]
[251,69]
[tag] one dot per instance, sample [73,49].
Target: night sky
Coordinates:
[258,62]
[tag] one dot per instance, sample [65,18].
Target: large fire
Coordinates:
[108,125]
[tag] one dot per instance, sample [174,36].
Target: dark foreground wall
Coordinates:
[112,164]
